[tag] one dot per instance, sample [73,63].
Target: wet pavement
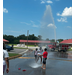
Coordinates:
[58,63]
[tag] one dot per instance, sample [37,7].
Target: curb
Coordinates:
[13,57]
[20,54]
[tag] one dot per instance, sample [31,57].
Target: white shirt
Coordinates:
[40,52]
[35,52]
[5,55]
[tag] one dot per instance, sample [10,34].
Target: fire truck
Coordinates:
[59,47]
[63,47]
[52,46]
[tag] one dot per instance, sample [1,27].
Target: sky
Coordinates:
[22,15]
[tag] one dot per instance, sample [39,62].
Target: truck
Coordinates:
[63,47]
[52,46]
[59,47]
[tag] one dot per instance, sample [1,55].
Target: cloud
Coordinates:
[64,19]
[69,27]
[66,12]
[42,2]
[46,1]
[5,10]
[32,21]
[25,23]
[35,25]
[49,1]
[51,25]
[13,31]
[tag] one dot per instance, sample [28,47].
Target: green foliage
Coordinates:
[15,40]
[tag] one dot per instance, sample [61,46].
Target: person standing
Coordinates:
[45,53]
[5,59]
[40,53]
[35,54]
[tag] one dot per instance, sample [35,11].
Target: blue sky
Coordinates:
[22,15]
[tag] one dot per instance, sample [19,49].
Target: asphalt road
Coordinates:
[58,63]
[17,50]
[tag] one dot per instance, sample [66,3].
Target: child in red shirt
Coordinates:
[44,58]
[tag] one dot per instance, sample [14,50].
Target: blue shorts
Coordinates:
[44,60]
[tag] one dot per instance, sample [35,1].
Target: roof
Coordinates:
[69,41]
[35,41]
[5,40]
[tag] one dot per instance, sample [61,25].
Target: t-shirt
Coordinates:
[5,55]
[45,54]
[35,52]
[40,52]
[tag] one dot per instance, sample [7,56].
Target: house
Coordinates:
[33,42]
[66,43]
[5,41]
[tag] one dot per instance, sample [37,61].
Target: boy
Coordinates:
[44,58]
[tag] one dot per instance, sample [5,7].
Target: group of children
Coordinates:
[38,54]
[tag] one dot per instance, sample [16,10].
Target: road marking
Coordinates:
[47,58]
[27,57]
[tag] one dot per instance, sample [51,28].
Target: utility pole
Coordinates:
[27,37]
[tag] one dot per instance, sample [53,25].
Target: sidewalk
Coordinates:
[20,54]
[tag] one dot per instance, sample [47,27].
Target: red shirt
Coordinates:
[45,54]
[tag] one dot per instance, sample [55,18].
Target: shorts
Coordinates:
[4,66]
[44,60]
[35,56]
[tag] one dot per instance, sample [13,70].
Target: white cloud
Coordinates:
[32,21]
[69,27]
[42,2]
[5,10]
[49,1]
[64,19]
[35,25]
[66,12]
[51,25]
[58,14]
[46,1]
[25,23]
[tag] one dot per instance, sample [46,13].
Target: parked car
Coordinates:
[8,48]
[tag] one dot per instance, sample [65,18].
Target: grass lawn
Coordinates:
[25,45]
[69,49]
[12,54]
[20,48]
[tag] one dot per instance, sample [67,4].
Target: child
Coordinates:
[44,58]
[35,54]
[40,53]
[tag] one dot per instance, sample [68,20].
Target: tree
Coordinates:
[39,37]
[47,39]
[60,40]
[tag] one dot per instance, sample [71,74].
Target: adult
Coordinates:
[45,53]
[5,59]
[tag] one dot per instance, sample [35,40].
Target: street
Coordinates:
[58,63]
